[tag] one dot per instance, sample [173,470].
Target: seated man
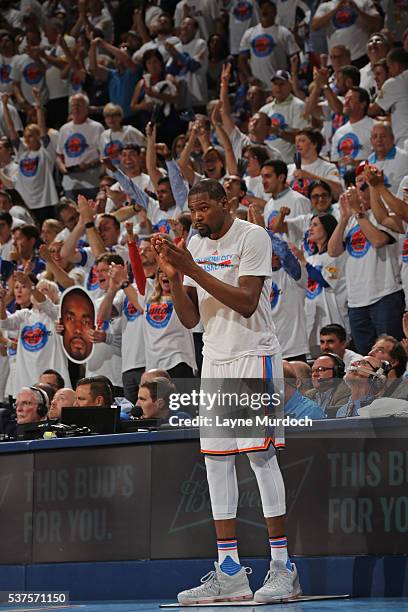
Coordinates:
[94,391]
[303,373]
[329,391]
[154,399]
[52,378]
[366,378]
[296,404]
[387,348]
[63,398]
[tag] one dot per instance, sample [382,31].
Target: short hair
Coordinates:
[29,231]
[79,95]
[131,146]
[164,179]
[363,96]
[385,124]
[66,204]
[210,186]
[397,352]
[100,385]
[351,72]
[152,53]
[315,137]
[278,166]
[112,109]
[110,258]
[60,380]
[260,152]
[321,184]
[54,223]
[261,2]
[382,63]
[160,388]
[398,56]
[112,218]
[335,329]
[6,217]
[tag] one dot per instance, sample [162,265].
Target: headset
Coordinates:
[44,403]
[339,368]
[377,377]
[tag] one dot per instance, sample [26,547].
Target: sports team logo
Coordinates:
[5,72]
[308,247]
[301,186]
[242,11]
[29,166]
[113,150]
[273,214]
[32,74]
[345,17]
[405,249]
[275,293]
[349,145]
[34,337]
[277,121]
[92,282]
[75,145]
[263,45]
[314,289]
[159,315]
[357,244]
[162,227]
[130,311]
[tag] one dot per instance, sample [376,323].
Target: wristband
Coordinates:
[125,285]
[89,224]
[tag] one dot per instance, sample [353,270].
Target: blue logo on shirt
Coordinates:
[345,17]
[32,74]
[275,293]
[277,121]
[242,11]
[5,72]
[75,145]
[159,315]
[313,287]
[29,166]
[130,311]
[92,282]
[263,45]
[113,150]
[357,244]
[162,227]
[34,337]
[349,145]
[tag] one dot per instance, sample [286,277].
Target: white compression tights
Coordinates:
[223,486]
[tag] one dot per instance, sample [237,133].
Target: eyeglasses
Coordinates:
[321,369]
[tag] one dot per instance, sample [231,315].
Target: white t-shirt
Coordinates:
[367,80]
[6,67]
[142,181]
[196,81]
[39,347]
[325,305]
[106,359]
[239,140]
[371,273]
[57,87]
[79,143]
[157,43]
[298,204]
[269,50]
[243,14]
[133,347]
[34,180]
[255,187]
[393,98]
[111,143]
[394,166]
[245,250]
[320,167]
[288,114]
[167,341]
[288,311]
[352,140]
[28,74]
[346,28]
[205,12]
[288,12]
[18,126]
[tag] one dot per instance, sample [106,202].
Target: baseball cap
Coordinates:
[281,75]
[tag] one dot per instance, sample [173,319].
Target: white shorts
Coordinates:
[269,372]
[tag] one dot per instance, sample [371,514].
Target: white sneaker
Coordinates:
[218,586]
[280,583]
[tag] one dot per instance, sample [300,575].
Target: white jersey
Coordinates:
[288,311]
[394,167]
[243,14]
[325,305]
[79,143]
[269,50]
[34,180]
[322,168]
[352,140]
[298,204]
[142,181]
[111,143]
[346,27]
[133,347]
[371,273]
[39,347]
[27,72]
[167,341]
[239,140]
[289,114]
[245,250]
[106,359]
[393,98]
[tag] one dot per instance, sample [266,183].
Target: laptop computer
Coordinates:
[99,419]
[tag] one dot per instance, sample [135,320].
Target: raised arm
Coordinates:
[119,54]
[151,156]
[40,112]
[60,275]
[376,236]
[184,160]
[230,159]
[335,246]
[7,117]
[99,72]
[225,108]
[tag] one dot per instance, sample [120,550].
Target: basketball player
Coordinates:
[227,283]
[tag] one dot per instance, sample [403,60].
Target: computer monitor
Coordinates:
[99,419]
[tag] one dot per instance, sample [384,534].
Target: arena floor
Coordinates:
[351,605]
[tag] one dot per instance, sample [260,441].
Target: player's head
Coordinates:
[208,204]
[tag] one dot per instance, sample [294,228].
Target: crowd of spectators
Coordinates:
[111,110]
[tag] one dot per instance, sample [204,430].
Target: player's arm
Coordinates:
[185,302]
